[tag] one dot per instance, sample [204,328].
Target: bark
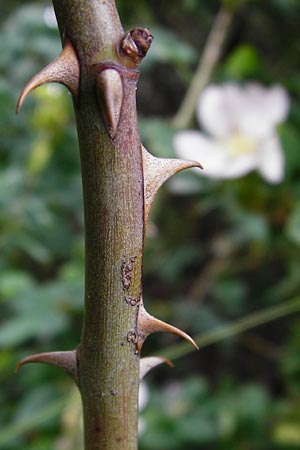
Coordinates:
[119,179]
[112,181]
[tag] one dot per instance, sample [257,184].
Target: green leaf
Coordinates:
[290,138]
[42,415]
[293,226]
[13,283]
[243,62]
[18,330]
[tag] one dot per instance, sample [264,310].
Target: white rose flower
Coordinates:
[143,400]
[241,122]
[143,395]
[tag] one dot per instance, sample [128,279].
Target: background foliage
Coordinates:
[216,251]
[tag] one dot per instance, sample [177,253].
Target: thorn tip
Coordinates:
[64,360]
[148,324]
[64,69]
[157,171]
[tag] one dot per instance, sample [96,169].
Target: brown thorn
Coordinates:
[146,364]
[110,98]
[147,324]
[64,69]
[157,171]
[63,360]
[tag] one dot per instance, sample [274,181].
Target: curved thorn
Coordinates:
[110,98]
[157,171]
[63,360]
[147,324]
[146,364]
[64,69]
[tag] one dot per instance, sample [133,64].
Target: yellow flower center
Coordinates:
[239,144]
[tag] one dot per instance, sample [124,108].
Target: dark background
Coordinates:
[216,251]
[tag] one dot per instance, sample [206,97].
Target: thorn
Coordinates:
[157,171]
[63,360]
[146,364]
[147,324]
[110,98]
[64,69]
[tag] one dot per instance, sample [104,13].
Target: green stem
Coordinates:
[112,180]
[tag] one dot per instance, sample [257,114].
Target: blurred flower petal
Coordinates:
[217,163]
[217,109]
[196,146]
[279,103]
[242,123]
[271,160]
[262,110]
[240,166]
[143,395]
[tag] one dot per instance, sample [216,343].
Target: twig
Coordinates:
[208,61]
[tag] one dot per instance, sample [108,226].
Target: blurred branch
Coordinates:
[202,284]
[208,62]
[248,322]
[261,346]
[222,259]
